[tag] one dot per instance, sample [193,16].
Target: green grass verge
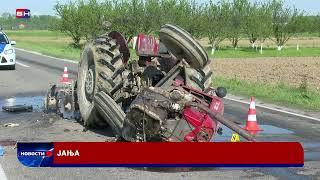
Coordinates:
[34,33]
[280,94]
[267,52]
[52,49]
[50,43]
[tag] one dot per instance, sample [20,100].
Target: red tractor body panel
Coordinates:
[146,46]
[202,125]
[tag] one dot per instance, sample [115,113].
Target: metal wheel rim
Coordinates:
[89,84]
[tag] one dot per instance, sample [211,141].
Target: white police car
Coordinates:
[7,52]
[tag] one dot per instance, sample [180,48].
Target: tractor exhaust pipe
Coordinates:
[224,121]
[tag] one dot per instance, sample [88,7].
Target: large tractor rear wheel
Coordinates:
[100,69]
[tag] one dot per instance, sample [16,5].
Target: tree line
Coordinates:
[36,22]
[217,21]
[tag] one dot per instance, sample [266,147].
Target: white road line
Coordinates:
[2,174]
[274,109]
[21,64]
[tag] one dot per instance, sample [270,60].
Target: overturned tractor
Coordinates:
[165,95]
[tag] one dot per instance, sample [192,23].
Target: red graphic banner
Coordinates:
[220,154]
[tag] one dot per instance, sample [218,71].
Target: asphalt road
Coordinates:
[29,82]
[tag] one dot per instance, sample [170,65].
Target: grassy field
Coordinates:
[267,81]
[297,97]
[46,42]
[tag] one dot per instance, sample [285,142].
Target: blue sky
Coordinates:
[46,6]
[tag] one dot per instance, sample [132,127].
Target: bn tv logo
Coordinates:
[23,13]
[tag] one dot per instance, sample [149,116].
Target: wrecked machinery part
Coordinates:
[224,121]
[167,80]
[18,108]
[122,43]
[62,99]
[181,44]
[77,115]
[198,79]
[146,117]
[51,100]
[66,101]
[159,115]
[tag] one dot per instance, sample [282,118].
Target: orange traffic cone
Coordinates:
[252,125]
[65,77]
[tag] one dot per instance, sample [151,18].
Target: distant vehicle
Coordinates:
[7,52]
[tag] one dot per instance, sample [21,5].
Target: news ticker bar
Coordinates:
[119,154]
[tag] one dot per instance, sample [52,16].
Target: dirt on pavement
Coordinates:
[293,71]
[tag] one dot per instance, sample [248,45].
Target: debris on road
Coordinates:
[11,125]
[61,99]
[8,142]
[18,108]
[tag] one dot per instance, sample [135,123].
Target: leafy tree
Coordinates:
[264,28]
[152,19]
[214,23]
[285,22]
[217,21]
[317,24]
[92,18]
[188,16]
[237,20]
[71,20]
[80,19]
[128,17]
[169,10]
[252,22]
